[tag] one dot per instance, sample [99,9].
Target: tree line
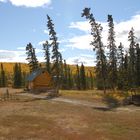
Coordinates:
[119,68]
[80,79]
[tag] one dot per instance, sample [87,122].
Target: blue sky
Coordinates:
[24,21]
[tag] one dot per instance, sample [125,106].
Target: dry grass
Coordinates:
[29,119]
[89,95]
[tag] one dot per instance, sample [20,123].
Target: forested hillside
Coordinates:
[14,74]
[8,67]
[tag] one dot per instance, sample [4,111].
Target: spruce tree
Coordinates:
[132,58]
[87,81]
[112,70]
[120,56]
[46,48]
[31,57]
[61,68]
[82,77]
[77,78]
[69,78]
[2,77]
[24,75]
[126,72]
[55,50]
[65,77]
[137,65]
[19,75]
[98,47]
[121,70]
[91,80]
[17,78]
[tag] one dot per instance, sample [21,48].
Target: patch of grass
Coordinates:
[89,95]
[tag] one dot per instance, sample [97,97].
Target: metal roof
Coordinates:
[34,74]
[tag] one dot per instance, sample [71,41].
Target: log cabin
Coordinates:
[39,80]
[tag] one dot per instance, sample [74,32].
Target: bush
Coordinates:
[111,101]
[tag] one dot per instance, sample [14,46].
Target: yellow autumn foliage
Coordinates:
[8,67]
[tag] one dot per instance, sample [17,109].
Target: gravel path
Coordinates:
[79,102]
[66,100]
[98,106]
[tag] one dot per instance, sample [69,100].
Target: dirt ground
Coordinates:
[30,118]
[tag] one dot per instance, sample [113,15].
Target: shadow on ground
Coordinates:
[102,108]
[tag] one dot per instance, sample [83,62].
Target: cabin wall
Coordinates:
[43,81]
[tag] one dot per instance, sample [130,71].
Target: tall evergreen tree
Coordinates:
[55,49]
[126,72]
[69,78]
[61,68]
[132,58]
[31,57]
[24,76]
[65,76]
[2,77]
[101,65]
[120,56]
[82,77]
[46,48]
[112,70]
[87,81]
[121,70]
[91,80]
[137,65]
[77,78]
[17,78]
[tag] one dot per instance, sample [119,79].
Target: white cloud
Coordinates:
[121,28]
[46,31]
[39,50]
[83,26]
[87,60]
[28,3]
[41,42]
[18,56]
[12,56]
[80,42]
[21,48]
